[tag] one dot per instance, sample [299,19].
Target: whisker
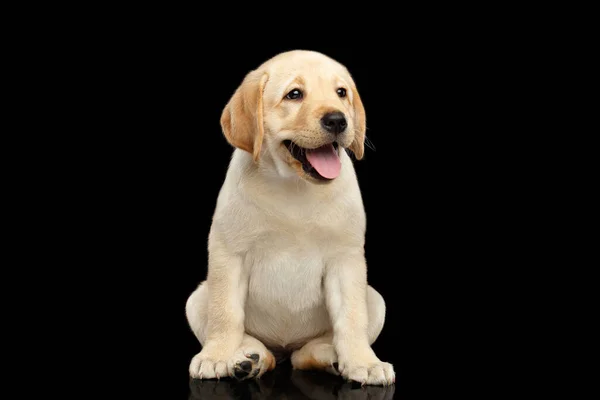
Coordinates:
[369,144]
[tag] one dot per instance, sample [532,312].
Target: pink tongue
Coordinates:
[325,161]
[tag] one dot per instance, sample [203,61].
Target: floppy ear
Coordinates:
[360,123]
[242,118]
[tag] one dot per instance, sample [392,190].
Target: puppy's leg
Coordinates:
[346,293]
[251,359]
[218,321]
[319,353]
[196,311]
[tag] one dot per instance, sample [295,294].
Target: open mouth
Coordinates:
[322,163]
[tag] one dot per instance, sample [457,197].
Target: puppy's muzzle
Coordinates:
[334,122]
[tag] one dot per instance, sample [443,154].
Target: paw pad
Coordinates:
[246,366]
[244,369]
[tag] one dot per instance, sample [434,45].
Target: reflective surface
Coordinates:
[285,383]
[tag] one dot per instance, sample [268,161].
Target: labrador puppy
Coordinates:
[287,273]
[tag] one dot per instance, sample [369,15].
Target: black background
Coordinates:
[432,190]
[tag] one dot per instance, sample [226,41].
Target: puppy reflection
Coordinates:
[296,385]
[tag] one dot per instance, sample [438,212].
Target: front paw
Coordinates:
[368,372]
[209,365]
[251,360]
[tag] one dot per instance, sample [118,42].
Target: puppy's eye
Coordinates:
[341,92]
[294,95]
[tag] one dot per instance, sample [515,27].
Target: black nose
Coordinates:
[334,122]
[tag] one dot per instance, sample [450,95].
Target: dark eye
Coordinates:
[341,92]
[294,95]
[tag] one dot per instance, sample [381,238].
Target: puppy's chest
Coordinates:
[286,271]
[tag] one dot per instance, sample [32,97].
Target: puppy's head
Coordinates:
[301,109]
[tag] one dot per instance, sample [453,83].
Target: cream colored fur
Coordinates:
[286,267]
